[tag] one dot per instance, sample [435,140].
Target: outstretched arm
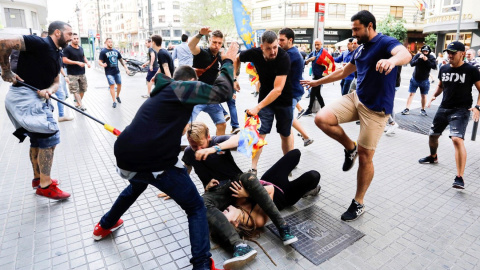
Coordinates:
[335,76]
[231,143]
[192,45]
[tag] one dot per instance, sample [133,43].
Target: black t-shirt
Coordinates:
[220,167]
[74,55]
[457,85]
[149,54]
[203,60]
[423,67]
[40,63]
[111,58]
[165,57]
[268,71]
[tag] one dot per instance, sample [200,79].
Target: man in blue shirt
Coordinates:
[108,59]
[286,36]
[375,62]
[182,53]
[346,57]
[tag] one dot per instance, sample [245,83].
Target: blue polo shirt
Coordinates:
[40,63]
[374,89]
[296,70]
[346,57]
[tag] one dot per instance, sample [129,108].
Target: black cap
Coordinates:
[455,46]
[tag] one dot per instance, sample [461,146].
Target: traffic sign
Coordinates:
[98,36]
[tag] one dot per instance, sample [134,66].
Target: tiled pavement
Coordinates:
[413,219]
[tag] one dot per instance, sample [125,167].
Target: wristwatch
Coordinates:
[217,148]
[477,107]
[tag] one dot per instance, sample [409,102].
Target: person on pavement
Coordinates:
[152,64]
[375,61]
[345,57]
[108,59]
[423,62]
[455,82]
[182,53]
[38,65]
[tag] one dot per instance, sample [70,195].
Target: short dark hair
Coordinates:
[217,33]
[184,73]
[184,38]
[107,39]
[57,25]
[269,37]
[148,40]
[288,33]
[351,39]
[44,33]
[74,34]
[157,39]
[365,17]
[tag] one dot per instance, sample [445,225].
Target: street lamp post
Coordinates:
[77,11]
[170,32]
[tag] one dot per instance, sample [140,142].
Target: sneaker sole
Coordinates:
[457,186]
[300,115]
[99,237]
[237,262]
[57,199]
[307,144]
[290,241]
[428,162]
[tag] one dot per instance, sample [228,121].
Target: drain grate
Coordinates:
[320,235]
[415,122]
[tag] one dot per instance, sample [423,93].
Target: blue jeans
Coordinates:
[62,89]
[232,107]
[177,184]
[345,85]
[214,110]
[114,79]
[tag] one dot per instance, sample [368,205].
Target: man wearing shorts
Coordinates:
[39,65]
[75,60]
[375,62]
[423,62]
[275,98]
[152,65]
[208,60]
[108,59]
[455,81]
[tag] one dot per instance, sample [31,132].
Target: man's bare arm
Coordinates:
[437,93]
[166,69]
[278,85]
[7,44]
[192,44]
[335,76]
[400,56]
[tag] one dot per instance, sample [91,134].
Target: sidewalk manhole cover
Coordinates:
[320,235]
[415,122]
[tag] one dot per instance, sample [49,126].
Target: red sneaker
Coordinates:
[100,233]
[53,192]
[36,182]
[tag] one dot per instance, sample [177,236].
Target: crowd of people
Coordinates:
[235,203]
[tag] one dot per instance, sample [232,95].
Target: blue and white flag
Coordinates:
[243,23]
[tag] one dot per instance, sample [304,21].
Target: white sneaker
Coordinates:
[65,118]
[391,129]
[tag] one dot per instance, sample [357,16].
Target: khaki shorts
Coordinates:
[372,123]
[78,83]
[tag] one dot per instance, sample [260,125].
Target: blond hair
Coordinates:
[196,131]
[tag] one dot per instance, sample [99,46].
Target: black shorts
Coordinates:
[456,118]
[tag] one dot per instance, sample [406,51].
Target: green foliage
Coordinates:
[216,14]
[393,27]
[431,40]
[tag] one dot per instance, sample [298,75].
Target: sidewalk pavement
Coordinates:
[413,219]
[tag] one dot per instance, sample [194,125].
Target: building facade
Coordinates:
[442,18]
[300,15]
[24,17]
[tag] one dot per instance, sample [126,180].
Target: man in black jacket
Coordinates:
[147,151]
[423,63]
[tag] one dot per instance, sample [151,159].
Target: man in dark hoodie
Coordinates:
[423,63]
[147,151]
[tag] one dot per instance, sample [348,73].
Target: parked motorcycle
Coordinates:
[135,66]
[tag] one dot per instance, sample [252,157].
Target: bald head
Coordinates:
[318,44]
[470,54]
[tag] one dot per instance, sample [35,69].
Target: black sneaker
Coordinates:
[458,183]
[300,114]
[428,160]
[242,254]
[354,211]
[118,99]
[286,235]
[350,156]
[308,112]
[253,171]
[114,105]
[423,112]
[406,111]
[313,192]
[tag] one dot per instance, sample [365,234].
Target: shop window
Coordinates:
[177,33]
[396,12]
[166,33]
[465,38]
[297,10]
[266,13]
[336,11]
[35,20]
[449,6]
[15,17]
[365,7]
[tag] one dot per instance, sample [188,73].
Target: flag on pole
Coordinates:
[243,23]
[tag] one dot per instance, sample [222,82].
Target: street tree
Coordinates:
[431,40]
[393,27]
